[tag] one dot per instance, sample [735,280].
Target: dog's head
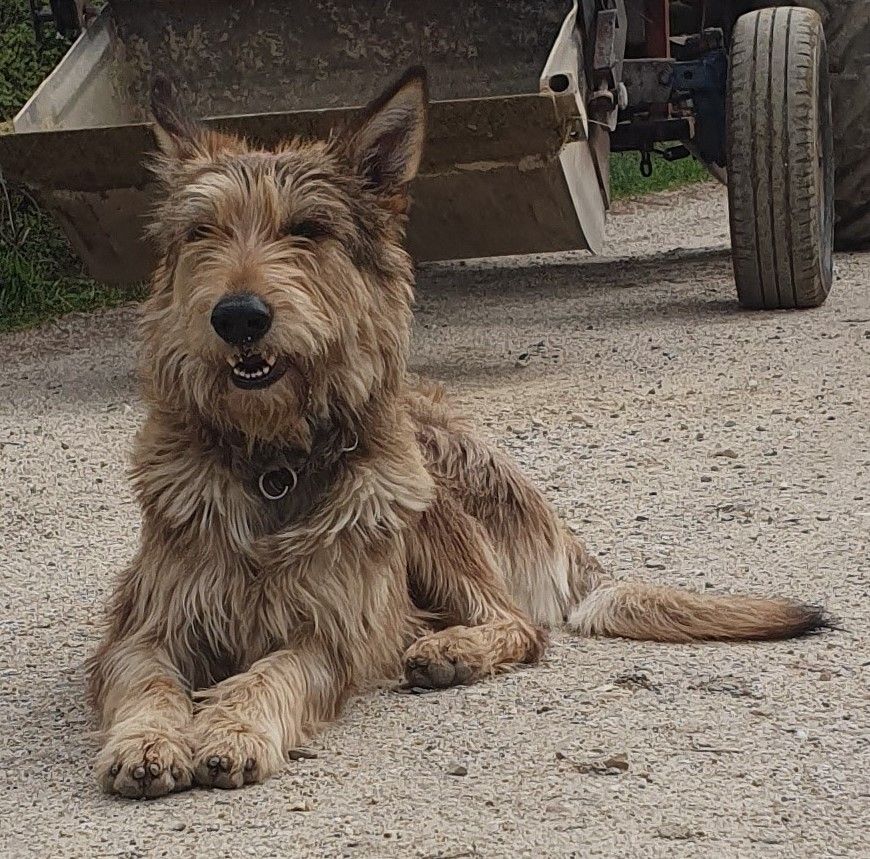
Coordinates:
[282,289]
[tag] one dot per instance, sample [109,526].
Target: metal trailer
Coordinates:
[529,99]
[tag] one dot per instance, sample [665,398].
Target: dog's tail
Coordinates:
[658,613]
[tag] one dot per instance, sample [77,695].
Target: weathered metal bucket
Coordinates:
[509,166]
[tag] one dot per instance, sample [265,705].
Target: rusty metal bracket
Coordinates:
[608,94]
[637,136]
[648,81]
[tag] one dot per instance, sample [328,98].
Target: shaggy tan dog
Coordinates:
[311,522]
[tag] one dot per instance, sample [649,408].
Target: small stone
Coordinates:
[614,765]
[727,452]
[301,805]
[635,680]
[301,755]
[705,478]
[178,826]
[457,769]
[617,762]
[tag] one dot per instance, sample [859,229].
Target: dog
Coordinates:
[313,521]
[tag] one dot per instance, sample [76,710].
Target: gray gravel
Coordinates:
[687,441]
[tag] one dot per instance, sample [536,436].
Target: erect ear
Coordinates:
[178,136]
[388,143]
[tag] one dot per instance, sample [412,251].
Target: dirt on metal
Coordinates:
[687,441]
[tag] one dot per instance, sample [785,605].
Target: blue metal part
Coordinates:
[706,78]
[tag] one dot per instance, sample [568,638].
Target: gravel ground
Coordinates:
[688,442]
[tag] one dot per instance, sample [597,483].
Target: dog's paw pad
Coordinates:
[145,764]
[436,674]
[443,659]
[231,758]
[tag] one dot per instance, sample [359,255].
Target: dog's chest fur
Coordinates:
[235,576]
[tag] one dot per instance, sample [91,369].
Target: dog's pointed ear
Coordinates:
[388,144]
[177,134]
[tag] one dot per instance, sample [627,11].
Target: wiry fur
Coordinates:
[243,623]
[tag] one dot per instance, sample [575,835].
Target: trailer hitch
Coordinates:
[672,153]
[646,165]
[693,83]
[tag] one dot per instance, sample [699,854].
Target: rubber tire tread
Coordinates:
[773,113]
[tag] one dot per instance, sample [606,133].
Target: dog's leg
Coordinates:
[146,715]
[249,721]
[453,572]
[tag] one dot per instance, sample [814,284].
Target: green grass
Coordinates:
[23,62]
[40,277]
[626,181]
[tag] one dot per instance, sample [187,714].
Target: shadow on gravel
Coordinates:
[488,322]
[512,276]
[614,292]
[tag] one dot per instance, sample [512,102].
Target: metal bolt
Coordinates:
[621,96]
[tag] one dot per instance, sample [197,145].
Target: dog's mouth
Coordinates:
[255,369]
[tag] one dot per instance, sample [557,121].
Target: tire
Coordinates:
[780,159]
[847,30]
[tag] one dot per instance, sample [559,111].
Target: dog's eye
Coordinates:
[198,233]
[307,229]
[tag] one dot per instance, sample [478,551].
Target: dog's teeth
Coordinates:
[267,365]
[232,360]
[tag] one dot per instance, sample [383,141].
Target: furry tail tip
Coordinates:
[657,613]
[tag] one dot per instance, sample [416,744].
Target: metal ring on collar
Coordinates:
[354,446]
[287,487]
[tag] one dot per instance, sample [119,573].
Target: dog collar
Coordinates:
[276,483]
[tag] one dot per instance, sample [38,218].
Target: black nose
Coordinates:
[241,319]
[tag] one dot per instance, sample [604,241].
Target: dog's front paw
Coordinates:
[230,754]
[447,658]
[144,762]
